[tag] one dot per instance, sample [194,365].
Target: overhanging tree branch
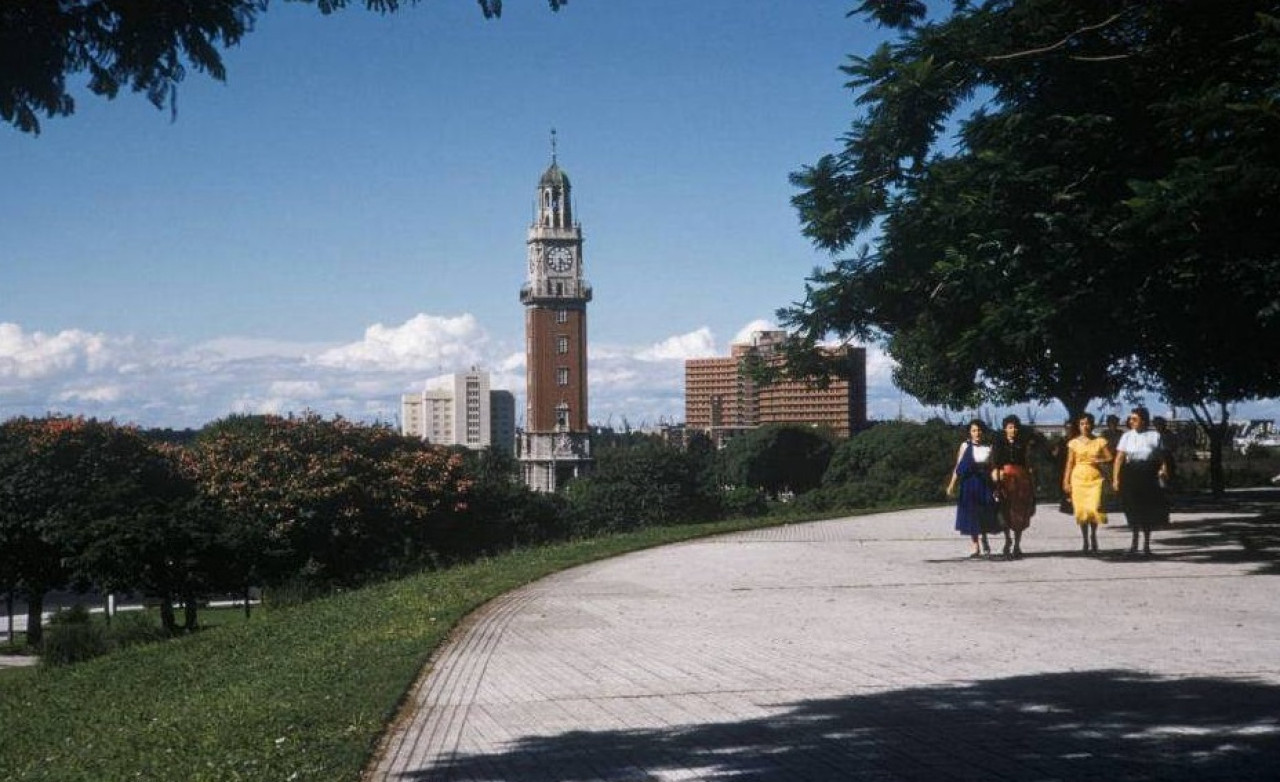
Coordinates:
[1054,47]
[146,45]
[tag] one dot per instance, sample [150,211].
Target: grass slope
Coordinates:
[294,694]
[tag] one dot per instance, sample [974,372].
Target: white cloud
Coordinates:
[508,381]
[251,405]
[247,348]
[164,383]
[296,389]
[746,332]
[879,367]
[95,394]
[602,352]
[513,362]
[36,355]
[695,344]
[438,383]
[424,342]
[616,376]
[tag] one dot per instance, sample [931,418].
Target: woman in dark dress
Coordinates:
[1014,480]
[1059,452]
[976,510]
[1136,476]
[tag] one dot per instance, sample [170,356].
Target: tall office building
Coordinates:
[555,445]
[722,398]
[502,419]
[460,409]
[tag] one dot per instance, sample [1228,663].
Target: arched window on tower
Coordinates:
[562,415]
[548,209]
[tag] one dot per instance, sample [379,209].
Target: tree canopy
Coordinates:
[82,501]
[777,458]
[1059,200]
[330,500]
[146,46]
[893,462]
[640,481]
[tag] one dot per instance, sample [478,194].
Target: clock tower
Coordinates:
[555,446]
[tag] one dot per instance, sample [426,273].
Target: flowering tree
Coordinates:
[259,500]
[329,500]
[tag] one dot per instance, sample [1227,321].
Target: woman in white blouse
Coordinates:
[1136,476]
[976,509]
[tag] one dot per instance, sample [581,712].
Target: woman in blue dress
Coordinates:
[976,509]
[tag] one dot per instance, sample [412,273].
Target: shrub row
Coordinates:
[74,636]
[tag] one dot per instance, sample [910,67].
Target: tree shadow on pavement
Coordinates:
[1249,535]
[1109,724]
[1231,540]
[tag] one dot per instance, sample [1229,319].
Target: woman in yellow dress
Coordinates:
[1083,480]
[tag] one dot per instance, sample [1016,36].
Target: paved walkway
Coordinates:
[870,649]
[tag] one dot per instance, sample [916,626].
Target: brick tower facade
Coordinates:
[555,446]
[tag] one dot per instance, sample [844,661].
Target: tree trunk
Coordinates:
[167,619]
[1076,406]
[1217,477]
[189,608]
[1219,434]
[246,603]
[35,618]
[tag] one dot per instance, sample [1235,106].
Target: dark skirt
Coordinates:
[976,511]
[1144,501]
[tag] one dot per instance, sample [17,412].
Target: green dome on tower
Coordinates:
[554,177]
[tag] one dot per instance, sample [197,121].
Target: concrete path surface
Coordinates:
[870,648]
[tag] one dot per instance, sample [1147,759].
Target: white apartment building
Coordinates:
[460,409]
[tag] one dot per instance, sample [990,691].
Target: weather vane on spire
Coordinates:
[553,146]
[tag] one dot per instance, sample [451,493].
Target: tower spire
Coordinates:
[553,146]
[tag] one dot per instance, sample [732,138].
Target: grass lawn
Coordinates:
[298,693]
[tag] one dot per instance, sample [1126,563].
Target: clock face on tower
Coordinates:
[559,259]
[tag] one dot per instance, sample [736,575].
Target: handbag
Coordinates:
[1065,506]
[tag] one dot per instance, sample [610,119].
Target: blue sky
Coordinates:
[345,216]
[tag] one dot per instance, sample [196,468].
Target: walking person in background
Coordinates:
[976,507]
[1169,444]
[1059,451]
[1082,479]
[1012,474]
[1136,476]
[1112,432]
